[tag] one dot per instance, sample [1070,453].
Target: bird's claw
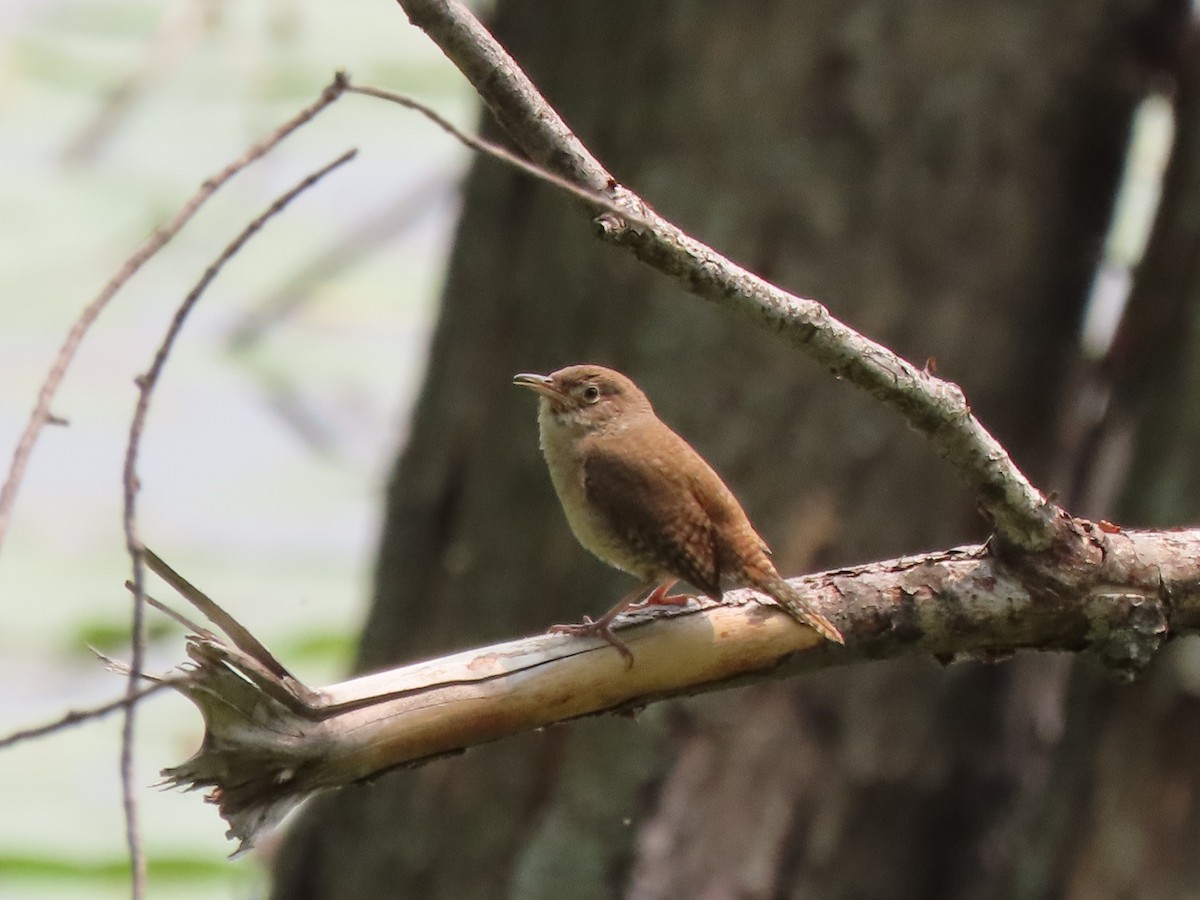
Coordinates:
[598,628]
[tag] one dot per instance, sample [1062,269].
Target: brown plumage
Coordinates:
[641,499]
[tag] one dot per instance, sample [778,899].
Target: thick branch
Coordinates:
[269,745]
[935,407]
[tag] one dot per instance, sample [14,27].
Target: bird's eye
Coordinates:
[591,393]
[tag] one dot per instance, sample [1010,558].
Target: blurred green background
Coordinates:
[268,438]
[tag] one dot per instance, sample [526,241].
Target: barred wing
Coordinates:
[650,505]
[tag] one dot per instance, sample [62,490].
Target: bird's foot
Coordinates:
[659,597]
[665,600]
[599,628]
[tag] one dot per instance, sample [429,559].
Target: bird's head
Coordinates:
[586,398]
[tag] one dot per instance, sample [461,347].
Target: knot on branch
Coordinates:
[1099,570]
[1127,650]
[611,226]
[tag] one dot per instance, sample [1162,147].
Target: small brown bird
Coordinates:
[641,499]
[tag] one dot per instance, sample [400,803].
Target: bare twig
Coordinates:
[393,222]
[593,197]
[155,242]
[1020,514]
[78,717]
[265,749]
[515,101]
[146,384]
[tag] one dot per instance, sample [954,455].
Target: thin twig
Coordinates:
[155,242]
[938,409]
[146,384]
[299,288]
[76,717]
[594,198]
[514,100]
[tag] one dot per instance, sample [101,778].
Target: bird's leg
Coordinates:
[602,627]
[658,597]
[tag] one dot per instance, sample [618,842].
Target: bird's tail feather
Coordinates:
[800,609]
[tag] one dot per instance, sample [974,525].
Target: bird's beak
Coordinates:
[540,383]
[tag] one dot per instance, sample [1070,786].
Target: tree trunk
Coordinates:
[940,176]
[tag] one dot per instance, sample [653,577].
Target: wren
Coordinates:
[641,499]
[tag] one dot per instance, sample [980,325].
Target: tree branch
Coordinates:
[268,745]
[41,414]
[146,384]
[79,716]
[1018,511]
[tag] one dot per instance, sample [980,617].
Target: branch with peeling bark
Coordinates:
[271,742]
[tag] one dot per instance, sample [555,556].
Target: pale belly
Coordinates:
[590,528]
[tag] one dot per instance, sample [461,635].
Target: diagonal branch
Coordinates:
[267,747]
[1020,514]
[41,414]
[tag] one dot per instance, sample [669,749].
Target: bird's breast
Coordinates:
[562,450]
